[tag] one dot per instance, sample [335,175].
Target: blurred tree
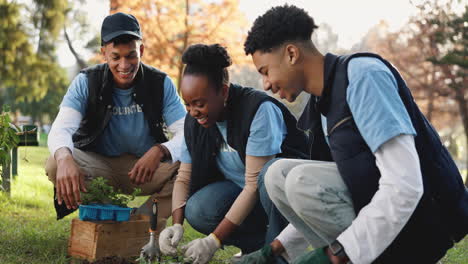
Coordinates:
[452,39]
[28,33]
[77,29]
[325,39]
[410,53]
[16,51]
[169,27]
[431,53]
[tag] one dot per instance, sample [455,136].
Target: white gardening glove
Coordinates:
[201,250]
[170,238]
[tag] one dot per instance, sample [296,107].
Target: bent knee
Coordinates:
[301,181]
[274,177]
[51,169]
[197,216]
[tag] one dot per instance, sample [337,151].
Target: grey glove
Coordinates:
[201,250]
[169,239]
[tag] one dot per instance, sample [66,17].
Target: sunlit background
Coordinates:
[46,42]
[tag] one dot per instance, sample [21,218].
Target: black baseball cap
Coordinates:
[119,24]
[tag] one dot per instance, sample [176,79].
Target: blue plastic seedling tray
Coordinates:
[104,212]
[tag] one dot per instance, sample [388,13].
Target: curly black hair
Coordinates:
[208,60]
[277,26]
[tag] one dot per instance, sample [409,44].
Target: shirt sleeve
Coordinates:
[181,186]
[267,131]
[248,197]
[373,99]
[184,153]
[174,144]
[65,125]
[173,109]
[77,94]
[400,189]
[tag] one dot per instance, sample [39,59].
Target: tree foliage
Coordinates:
[169,27]
[28,36]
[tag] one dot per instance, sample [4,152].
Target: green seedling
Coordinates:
[101,193]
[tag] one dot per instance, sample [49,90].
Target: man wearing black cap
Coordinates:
[110,125]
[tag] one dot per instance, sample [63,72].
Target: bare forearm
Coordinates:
[178,216]
[224,229]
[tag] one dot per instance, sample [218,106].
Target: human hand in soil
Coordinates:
[201,250]
[143,170]
[69,180]
[169,239]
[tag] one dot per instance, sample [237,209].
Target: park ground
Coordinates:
[30,233]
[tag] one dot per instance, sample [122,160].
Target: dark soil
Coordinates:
[109,260]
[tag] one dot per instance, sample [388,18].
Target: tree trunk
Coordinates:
[463,106]
[78,58]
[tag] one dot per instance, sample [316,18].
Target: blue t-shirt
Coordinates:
[127,131]
[267,133]
[373,99]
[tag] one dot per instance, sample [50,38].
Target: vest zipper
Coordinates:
[339,124]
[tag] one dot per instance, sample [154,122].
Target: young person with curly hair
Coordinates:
[231,134]
[380,186]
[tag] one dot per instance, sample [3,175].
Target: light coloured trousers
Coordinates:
[115,171]
[312,196]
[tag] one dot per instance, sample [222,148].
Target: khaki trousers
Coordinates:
[115,171]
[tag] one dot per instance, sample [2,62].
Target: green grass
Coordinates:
[29,232]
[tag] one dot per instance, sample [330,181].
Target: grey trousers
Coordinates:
[312,196]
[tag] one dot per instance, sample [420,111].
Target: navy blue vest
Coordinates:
[441,216]
[242,105]
[148,93]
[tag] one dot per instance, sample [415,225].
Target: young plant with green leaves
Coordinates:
[8,137]
[100,192]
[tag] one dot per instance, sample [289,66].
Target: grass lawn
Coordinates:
[29,232]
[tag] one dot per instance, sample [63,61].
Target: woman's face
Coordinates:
[202,100]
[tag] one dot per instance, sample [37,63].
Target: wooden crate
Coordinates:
[92,240]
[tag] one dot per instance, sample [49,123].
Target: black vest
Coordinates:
[148,94]
[441,216]
[242,105]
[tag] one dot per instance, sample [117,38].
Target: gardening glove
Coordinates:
[201,250]
[318,256]
[170,238]
[261,256]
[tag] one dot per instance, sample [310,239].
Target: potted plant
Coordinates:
[102,202]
